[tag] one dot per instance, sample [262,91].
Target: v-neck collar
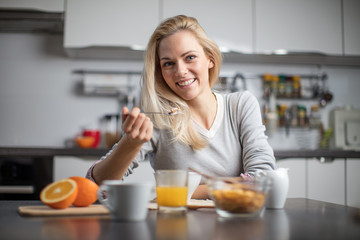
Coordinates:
[217,121]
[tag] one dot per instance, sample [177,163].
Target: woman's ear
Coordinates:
[211,64]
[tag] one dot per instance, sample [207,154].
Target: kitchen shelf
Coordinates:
[294,98]
[39,152]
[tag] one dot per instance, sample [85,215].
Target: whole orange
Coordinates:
[59,194]
[86,191]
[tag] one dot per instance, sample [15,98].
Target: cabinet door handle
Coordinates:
[325,159]
[18,189]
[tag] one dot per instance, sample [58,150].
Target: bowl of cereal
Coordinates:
[238,198]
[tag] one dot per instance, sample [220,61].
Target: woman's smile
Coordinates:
[186,83]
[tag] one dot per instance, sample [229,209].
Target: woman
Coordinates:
[220,135]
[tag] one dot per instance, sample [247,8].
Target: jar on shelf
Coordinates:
[296,87]
[274,85]
[301,116]
[282,111]
[294,115]
[288,86]
[281,86]
[315,117]
[267,85]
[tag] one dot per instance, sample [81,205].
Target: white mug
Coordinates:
[126,201]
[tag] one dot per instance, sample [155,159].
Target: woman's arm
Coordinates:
[138,129]
[257,153]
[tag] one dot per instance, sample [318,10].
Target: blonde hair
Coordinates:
[156,94]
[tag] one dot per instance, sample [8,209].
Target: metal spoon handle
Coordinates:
[173,111]
[124,114]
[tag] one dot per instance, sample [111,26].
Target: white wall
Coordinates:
[41,103]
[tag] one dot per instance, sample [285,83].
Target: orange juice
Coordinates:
[171,196]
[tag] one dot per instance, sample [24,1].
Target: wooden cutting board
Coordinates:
[95,209]
[44,210]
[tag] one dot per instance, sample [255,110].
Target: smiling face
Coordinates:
[184,65]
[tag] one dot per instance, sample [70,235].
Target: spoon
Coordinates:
[173,111]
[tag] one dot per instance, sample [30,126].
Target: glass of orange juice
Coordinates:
[171,190]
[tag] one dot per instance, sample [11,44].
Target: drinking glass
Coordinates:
[171,190]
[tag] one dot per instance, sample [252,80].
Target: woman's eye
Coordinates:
[167,64]
[190,57]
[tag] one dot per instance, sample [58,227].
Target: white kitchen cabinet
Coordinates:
[227,22]
[297,176]
[299,26]
[40,5]
[110,23]
[326,181]
[351,15]
[352,182]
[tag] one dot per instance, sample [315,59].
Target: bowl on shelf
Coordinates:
[239,199]
[85,141]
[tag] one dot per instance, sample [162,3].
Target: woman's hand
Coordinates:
[137,126]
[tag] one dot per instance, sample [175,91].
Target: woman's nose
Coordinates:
[181,69]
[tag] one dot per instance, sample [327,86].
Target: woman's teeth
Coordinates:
[185,83]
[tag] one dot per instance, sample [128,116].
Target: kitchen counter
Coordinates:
[50,152]
[300,219]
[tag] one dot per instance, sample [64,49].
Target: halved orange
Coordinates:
[86,191]
[59,194]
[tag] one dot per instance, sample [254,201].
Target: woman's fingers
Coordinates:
[146,130]
[137,125]
[129,119]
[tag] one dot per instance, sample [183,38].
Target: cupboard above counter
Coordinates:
[316,32]
[109,23]
[242,27]
[298,26]
[250,26]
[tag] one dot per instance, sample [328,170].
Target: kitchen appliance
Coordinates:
[22,178]
[345,123]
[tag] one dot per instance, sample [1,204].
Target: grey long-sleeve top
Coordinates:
[237,142]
